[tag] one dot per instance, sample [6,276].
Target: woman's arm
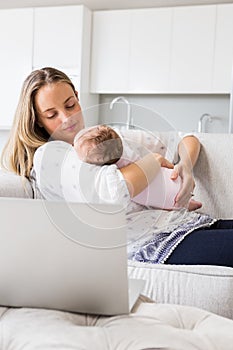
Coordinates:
[139,175]
[188,149]
[59,175]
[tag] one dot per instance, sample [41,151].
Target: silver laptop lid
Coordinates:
[68,256]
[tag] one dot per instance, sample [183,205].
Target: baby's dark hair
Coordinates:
[105,145]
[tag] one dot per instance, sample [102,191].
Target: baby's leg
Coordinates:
[193,205]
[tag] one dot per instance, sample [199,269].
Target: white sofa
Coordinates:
[208,287]
[188,327]
[150,327]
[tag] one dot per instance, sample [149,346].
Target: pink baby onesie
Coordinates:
[161,192]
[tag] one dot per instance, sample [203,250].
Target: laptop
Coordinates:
[66,256]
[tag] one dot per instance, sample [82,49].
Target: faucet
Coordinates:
[123,99]
[202,118]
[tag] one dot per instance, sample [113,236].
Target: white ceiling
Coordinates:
[108,4]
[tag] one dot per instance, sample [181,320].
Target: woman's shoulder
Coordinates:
[60,174]
[56,145]
[52,150]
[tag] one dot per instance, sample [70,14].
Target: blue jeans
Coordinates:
[206,246]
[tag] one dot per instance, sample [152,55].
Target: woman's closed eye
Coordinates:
[51,116]
[71,106]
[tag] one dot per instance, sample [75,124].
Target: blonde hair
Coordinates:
[26,135]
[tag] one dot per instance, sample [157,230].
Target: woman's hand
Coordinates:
[185,172]
[188,150]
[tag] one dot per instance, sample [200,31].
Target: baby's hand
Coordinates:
[163,161]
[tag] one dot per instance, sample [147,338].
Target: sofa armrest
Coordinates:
[12,185]
[214,175]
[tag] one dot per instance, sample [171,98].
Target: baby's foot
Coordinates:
[194,205]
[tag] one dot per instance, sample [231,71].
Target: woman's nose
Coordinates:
[64,116]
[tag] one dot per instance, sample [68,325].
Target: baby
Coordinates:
[103,145]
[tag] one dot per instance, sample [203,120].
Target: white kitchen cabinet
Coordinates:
[223,55]
[150,50]
[192,49]
[111,37]
[130,50]
[160,50]
[62,39]
[16,40]
[34,38]
[184,49]
[58,36]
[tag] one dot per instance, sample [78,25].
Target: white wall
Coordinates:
[181,111]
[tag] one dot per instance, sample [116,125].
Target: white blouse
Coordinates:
[59,174]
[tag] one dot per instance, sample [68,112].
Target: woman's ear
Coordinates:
[39,124]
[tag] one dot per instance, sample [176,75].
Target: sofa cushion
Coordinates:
[207,287]
[151,326]
[12,185]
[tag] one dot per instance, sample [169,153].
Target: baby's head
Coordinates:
[98,145]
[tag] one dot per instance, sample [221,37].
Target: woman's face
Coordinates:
[58,111]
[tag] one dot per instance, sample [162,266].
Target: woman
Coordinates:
[49,110]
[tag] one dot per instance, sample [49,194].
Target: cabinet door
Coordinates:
[223,58]
[192,49]
[110,51]
[16,36]
[58,37]
[150,50]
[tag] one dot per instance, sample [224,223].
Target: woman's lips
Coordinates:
[70,127]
